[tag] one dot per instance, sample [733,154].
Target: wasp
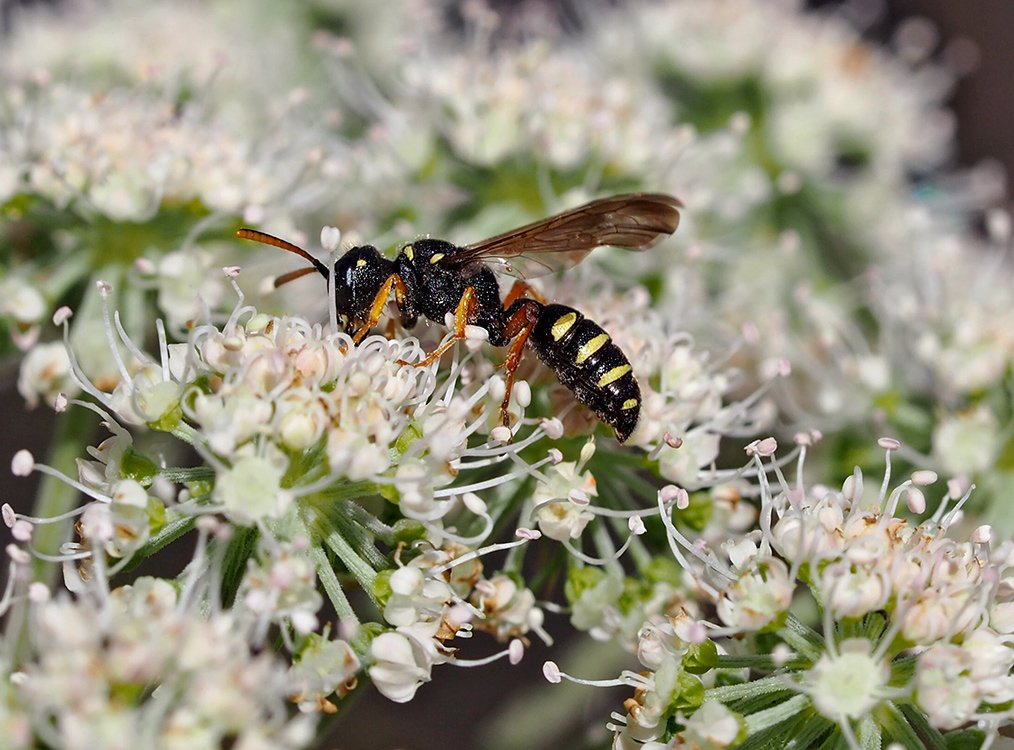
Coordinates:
[433,278]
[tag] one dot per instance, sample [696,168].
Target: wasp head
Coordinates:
[358,276]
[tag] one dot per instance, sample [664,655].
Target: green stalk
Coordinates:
[332,586]
[763,686]
[761,720]
[74,429]
[361,570]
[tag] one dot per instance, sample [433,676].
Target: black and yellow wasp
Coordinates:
[433,278]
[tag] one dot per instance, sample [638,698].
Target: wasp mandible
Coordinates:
[434,278]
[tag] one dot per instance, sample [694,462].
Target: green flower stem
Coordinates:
[73,431]
[185,475]
[184,432]
[356,565]
[62,276]
[764,663]
[605,548]
[169,533]
[917,719]
[358,514]
[869,734]
[350,528]
[332,586]
[639,553]
[763,686]
[801,638]
[761,720]
[899,730]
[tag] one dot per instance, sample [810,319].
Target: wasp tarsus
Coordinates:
[433,278]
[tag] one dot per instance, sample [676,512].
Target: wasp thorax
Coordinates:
[427,252]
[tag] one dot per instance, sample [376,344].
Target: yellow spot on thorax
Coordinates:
[361,262]
[437,257]
[613,375]
[409,252]
[630,403]
[563,324]
[591,346]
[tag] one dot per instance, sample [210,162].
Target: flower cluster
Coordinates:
[910,633]
[141,663]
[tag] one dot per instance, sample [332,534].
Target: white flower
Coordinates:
[416,597]
[713,727]
[280,586]
[21,301]
[849,684]
[509,612]
[560,500]
[94,666]
[945,687]
[401,661]
[251,490]
[590,609]
[683,465]
[45,373]
[323,667]
[966,443]
[757,598]
[188,285]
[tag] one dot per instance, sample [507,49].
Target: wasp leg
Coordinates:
[522,289]
[519,327]
[395,282]
[468,305]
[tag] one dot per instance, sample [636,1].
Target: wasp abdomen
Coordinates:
[586,360]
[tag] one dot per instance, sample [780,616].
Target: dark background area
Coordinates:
[449,713]
[984,99]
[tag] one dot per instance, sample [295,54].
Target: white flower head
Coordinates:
[850,684]
[558,515]
[251,490]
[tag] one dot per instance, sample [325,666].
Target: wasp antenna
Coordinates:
[268,239]
[299,273]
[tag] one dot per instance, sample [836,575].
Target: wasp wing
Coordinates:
[635,221]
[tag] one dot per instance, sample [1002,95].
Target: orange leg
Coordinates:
[522,289]
[467,307]
[519,327]
[377,309]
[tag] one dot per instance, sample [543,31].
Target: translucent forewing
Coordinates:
[635,221]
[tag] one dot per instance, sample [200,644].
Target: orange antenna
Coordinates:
[299,273]
[268,239]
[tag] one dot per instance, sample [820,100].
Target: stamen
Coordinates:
[104,291]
